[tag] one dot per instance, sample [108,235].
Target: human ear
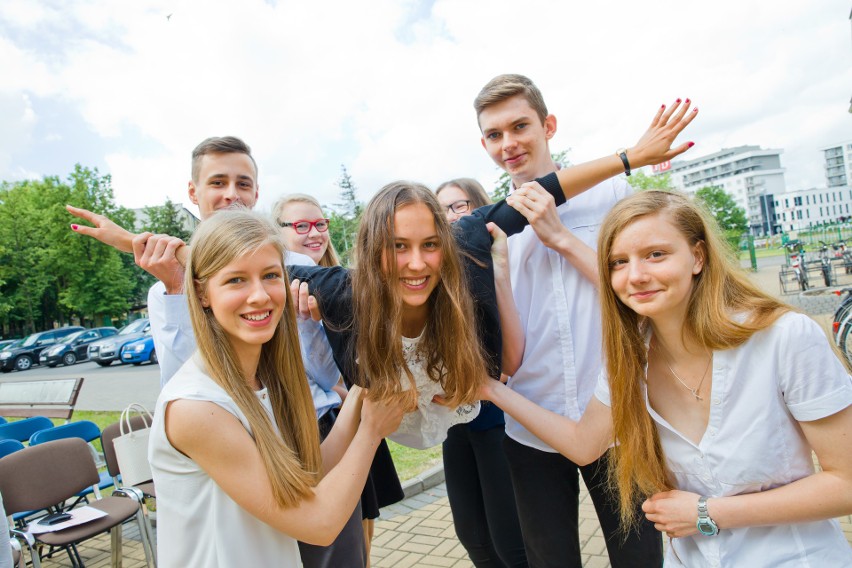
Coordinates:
[549,126]
[699,253]
[192,194]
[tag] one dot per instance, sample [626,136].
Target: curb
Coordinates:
[426,480]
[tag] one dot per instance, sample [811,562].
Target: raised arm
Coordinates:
[654,147]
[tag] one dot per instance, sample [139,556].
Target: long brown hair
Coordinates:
[291,459]
[450,343]
[720,292]
[329,257]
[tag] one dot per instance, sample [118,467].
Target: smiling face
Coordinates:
[453,194]
[653,267]
[224,180]
[418,262]
[247,298]
[516,139]
[313,243]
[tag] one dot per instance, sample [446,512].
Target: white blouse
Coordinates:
[783,375]
[427,426]
[198,524]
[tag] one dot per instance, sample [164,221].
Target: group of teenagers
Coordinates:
[574,328]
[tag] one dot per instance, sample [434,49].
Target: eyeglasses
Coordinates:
[303,226]
[459,207]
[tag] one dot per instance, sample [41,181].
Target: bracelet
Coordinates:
[622,153]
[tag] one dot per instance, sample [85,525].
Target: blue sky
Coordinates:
[386,87]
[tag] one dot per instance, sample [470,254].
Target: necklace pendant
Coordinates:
[696,395]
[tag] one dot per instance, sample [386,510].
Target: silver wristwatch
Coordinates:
[705,524]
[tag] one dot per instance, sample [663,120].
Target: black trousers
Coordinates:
[547,490]
[481,497]
[348,550]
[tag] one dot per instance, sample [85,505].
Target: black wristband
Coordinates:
[623,155]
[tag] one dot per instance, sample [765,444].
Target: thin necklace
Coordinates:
[695,390]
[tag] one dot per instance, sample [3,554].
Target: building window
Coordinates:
[808,213]
[797,201]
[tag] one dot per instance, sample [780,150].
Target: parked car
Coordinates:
[75,347]
[139,351]
[25,355]
[6,343]
[105,351]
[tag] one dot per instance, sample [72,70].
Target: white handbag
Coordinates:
[131,448]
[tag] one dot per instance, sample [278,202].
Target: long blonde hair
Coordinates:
[450,342]
[329,257]
[291,458]
[720,291]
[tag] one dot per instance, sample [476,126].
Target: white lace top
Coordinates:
[427,426]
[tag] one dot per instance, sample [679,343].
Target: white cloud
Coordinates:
[386,87]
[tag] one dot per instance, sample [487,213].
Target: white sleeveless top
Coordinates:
[427,426]
[198,524]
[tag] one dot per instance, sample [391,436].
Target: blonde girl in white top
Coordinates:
[715,394]
[234,447]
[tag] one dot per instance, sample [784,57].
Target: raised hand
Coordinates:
[383,417]
[104,229]
[158,255]
[655,145]
[306,304]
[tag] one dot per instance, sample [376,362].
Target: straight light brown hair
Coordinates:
[291,458]
[721,292]
[219,145]
[450,341]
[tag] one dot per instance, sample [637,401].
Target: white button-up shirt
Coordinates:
[560,314]
[781,376]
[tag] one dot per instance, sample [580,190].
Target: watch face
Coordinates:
[707,527]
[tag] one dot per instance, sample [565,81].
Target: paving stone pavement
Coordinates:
[419,530]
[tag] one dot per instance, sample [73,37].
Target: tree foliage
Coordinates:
[641,182]
[49,274]
[724,209]
[166,219]
[345,217]
[504,182]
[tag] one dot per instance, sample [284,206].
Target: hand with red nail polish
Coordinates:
[655,146]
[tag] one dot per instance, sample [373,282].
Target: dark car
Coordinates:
[6,343]
[105,351]
[139,351]
[25,355]
[75,347]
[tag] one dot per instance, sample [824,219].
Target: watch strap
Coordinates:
[622,153]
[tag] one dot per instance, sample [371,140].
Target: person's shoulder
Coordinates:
[156,292]
[192,381]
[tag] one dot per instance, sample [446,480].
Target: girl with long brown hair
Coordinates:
[418,315]
[714,395]
[234,446]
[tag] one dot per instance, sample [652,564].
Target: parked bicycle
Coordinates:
[824,261]
[841,326]
[794,270]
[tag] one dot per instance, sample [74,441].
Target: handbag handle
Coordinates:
[125,417]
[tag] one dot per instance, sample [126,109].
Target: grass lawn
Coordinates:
[408,462]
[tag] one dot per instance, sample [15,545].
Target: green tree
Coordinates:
[166,219]
[723,208]
[345,217]
[731,218]
[504,182]
[641,182]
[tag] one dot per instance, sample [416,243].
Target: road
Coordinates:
[104,388]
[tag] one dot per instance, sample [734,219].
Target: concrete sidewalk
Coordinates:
[419,530]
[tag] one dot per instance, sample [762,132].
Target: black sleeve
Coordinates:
[332,287]
[510,220]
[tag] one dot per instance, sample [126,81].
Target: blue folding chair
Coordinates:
[3,420]
[23,429]
[9,446]
[87,431]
